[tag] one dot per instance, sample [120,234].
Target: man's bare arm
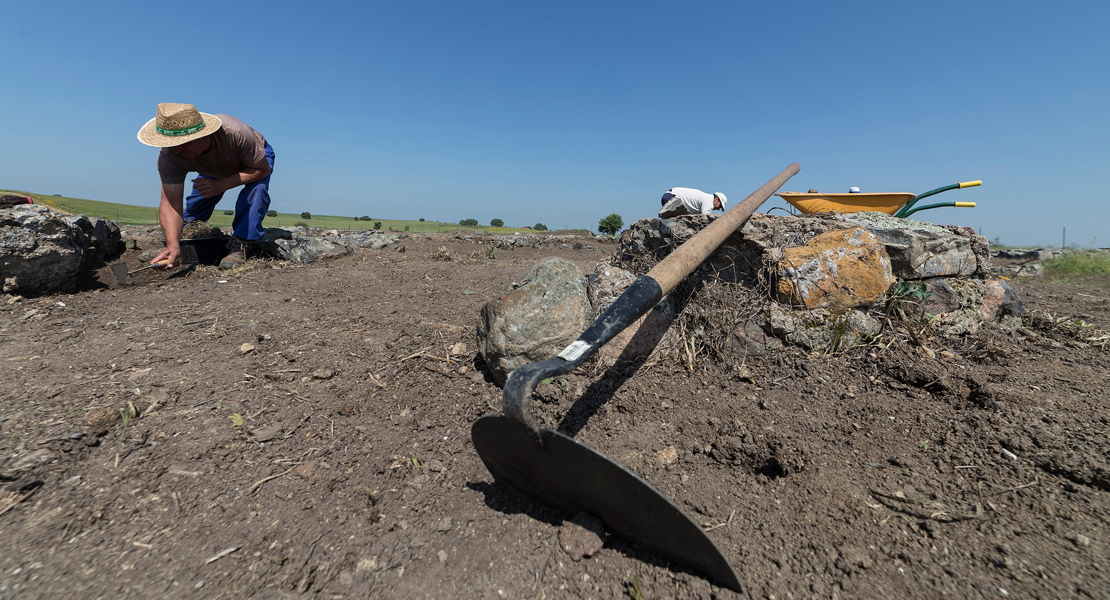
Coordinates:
[171,217]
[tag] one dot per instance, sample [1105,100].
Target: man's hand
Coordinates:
[169,254]
[208,187]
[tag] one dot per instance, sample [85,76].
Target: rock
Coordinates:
[444,524]
[102,419]
[536,320]
[33,459]
[1025,270]
[459,348]
[246,348]
[979,302]
[265,434]
[668,455]
[770,232]
[606,285]
[942,297]
[821,329]
[323,373]
[1000,299]
[750,339]
[836,270]
[920,250]
[306,470]
[288,245]
[43,251]
[367,239]
[1080,540]
[582,536]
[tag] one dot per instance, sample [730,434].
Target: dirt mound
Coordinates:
[304,430]
[199,230]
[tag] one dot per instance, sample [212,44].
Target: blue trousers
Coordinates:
[250,208]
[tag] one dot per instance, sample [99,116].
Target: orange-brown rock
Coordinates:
[836,270]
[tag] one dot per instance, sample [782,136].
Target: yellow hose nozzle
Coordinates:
[967,184]
[965,205]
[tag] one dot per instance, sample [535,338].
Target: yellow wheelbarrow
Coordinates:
[899,204]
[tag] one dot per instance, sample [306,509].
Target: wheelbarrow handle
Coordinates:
[908,208]
[940,205]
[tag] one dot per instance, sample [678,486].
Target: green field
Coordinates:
[127,214]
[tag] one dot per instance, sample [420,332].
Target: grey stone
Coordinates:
[942,297]
[43,251]
[608,283]
[300,245]
[820,329]
[367,239]
[920,250]
[1031,269]
[536,320]
[980,301]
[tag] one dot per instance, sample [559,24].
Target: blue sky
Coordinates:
[565,112]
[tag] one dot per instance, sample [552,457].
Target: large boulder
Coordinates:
[920,250]
[837,270]
[536,320]
[43,251]
[285,244]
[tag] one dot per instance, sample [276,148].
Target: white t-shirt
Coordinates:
[695,201]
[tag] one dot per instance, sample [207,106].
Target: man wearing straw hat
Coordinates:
[225,153]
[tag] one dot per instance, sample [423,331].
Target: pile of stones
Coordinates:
[820,282]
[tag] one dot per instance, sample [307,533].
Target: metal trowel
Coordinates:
[561,471]
[188,256]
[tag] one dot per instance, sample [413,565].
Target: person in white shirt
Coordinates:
[688,201]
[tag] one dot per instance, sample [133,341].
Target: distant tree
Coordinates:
[306,215]
[540,227]
[469,222]
[406,227]
[377,224]
[497,223]
[271,213]
[229,212]
[421,218]
[364,218]
[611,224]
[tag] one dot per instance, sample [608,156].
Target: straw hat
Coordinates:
[176,124]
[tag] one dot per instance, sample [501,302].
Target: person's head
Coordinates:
[719,201]
[180,127]
[193,148]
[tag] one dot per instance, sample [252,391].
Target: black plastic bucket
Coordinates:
[209,250]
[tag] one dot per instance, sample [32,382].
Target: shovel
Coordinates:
[559,470]
[123,276]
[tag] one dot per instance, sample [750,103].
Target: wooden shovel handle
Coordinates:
[680,263]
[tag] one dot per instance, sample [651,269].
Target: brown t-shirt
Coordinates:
[235,146]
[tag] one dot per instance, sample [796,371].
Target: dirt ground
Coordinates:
[303,431]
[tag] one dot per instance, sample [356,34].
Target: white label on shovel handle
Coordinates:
[573,351]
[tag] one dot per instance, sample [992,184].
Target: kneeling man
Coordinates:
[225,153]
[688,201]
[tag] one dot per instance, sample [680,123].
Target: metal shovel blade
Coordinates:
[576,478]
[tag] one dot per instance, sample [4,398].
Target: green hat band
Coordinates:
[181,132]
